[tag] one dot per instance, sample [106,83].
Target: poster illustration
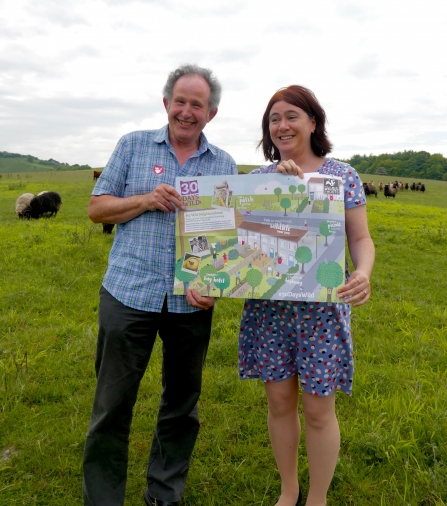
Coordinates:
[264,236]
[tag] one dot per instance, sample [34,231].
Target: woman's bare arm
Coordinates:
[361,249]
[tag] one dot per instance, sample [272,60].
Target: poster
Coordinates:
[263,236]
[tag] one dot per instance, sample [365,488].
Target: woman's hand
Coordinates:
[357,289]
[194,299]
[289,167]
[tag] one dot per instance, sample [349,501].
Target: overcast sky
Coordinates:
[75,75]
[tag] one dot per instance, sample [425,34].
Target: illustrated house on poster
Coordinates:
[271,242]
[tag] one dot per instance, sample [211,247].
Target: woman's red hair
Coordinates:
[304,99]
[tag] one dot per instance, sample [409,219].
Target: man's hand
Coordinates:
[194,299]
[164,198]
[111,209]
[289,167]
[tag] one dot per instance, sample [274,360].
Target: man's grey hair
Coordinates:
[191,69]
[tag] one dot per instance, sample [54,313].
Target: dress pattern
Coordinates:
[279,339]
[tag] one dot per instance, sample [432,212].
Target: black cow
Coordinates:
[389,191]
[107,228]
[45,205]
[369,189]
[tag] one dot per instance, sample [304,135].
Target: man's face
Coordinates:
[188,110]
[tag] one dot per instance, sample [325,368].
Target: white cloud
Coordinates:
[56,12]
[76,75]
[365,68]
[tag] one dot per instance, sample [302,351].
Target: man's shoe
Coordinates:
[151,501]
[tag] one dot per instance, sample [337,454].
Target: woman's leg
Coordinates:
[284,430]
[322,443]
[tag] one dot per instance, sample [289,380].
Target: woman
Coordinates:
[294,138]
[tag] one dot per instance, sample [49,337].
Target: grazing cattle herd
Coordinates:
[390,189]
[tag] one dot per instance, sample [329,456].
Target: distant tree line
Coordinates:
[411,164]
[51,163]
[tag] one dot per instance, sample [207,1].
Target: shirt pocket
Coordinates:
[141,184]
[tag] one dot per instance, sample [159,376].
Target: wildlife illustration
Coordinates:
[264,236]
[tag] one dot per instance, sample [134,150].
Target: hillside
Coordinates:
[13,162]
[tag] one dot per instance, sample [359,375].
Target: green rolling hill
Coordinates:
[15,163]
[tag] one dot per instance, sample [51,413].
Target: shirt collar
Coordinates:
[162,136]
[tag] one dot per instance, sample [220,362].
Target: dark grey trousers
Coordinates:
[125,341]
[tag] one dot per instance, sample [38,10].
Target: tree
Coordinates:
[222,281]
[302,206]
[253,278]
[285,204]
[325,230]
[185,277]
[292,189]
[415,164]
[303,255]
[233,254]
[330,275]
[326,205]
[301,189]
[207,275]
[277,192]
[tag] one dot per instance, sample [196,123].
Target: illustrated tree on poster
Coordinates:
[184,277]
[301,189]
[233,254]
[285,204]
[292,189]
[253,278]
[330,275]
[325,230]
[207,275]
[303,255]
[222,281]
[277,192]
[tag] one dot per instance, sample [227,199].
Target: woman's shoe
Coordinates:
[300,498]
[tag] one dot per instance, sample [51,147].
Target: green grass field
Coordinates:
[394,443]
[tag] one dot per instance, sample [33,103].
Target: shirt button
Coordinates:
[169,251]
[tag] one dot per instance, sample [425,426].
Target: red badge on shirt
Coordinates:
[158,169]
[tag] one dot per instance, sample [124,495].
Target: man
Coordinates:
[136,191]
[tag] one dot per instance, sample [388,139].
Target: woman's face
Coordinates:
[290,128]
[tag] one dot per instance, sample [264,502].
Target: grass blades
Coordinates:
[394,449]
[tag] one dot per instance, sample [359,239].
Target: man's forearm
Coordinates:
[111,209]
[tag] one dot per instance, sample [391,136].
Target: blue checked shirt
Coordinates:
[141,265]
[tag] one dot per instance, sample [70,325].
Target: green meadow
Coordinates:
[394,427]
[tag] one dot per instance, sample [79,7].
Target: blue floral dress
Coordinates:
[279,339]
